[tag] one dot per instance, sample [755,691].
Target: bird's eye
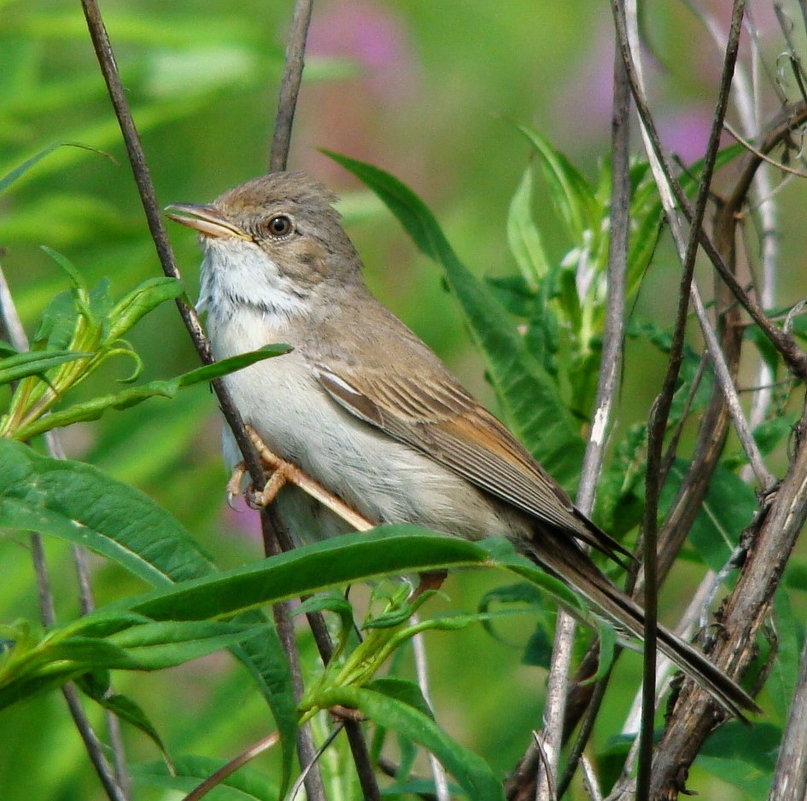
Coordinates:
[279,226]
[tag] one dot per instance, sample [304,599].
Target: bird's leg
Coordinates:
[284,472]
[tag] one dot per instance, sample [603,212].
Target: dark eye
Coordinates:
[279,226]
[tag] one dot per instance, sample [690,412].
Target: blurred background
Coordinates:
[430,92]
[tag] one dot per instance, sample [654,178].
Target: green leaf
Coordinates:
[386,550]
[522,593]
[772,432]
[94,408]
[76,278]
[76,502]
[16,367]
[168,643]
[471,772]
[620,496]
[403,690]
[528,394]
[331,603]
[58,322]
[81,504]
[96,686]
[209,372]
[246,784]
[742,761]
[538,651]
[784,669]
[571,193]
[12,176]
[523,236]
[139,302]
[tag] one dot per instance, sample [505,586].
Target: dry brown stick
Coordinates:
[772,538]
[790,777]
[613,336]
[103,50]
[663,403]
[215,779]
[290,85]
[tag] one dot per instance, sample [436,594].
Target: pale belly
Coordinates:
[381,478]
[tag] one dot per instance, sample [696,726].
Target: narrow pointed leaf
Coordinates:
[93,409]
[141,301]
[570,192]
[79,503]
[523,235]
[21,365]
[472,773]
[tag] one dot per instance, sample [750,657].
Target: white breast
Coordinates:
[383,479]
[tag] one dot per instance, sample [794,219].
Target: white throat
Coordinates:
[237,276]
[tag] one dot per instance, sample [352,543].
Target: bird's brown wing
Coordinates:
[437,416]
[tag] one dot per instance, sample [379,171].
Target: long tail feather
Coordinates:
[558,553]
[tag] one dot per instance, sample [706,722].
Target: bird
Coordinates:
[363,406]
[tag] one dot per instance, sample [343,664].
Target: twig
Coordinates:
[772,538]
[546,773]
[154,219]
[422,673]
[290,85]
[764,477]
[660,413]
[608,379]
[590,780]
[790,776]
[760,155]
[232,766]
[115,782]
[674,199]
[106,60]
[550,741]
[297,786]
[700,602]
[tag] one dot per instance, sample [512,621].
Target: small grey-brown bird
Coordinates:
[364,407]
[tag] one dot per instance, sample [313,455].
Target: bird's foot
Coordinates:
[283,472]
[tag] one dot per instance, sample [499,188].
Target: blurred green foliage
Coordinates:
[426,90]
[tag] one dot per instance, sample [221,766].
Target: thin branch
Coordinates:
[215,779]
[590,780]
[610,368]
[114,782]
[675,201]
[771,539]
[764,477]
[154,219]
[310,765]
[422,672]
[290,85]
[106,60]
[613,335]
[760,155]
[660,413]
[790,776]
[550,740]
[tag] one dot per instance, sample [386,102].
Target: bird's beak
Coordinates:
[207,220]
